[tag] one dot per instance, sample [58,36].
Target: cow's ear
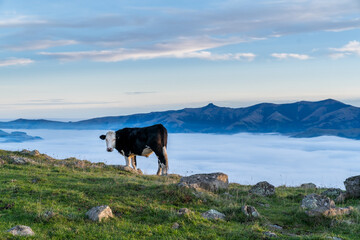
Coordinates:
[102,137]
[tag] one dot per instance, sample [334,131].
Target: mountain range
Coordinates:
[299,119]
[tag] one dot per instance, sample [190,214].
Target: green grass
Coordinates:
[145,206]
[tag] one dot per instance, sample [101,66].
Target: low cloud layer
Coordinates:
[246,158]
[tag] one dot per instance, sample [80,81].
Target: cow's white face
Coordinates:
[110,140]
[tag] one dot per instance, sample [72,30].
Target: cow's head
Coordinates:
[110,140]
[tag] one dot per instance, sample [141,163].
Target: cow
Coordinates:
[132,142]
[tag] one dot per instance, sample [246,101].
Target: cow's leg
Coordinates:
[159,171]
[127,161]
[163,160]
[166,168]
[133,162]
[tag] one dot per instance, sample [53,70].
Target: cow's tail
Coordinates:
[165,160]
[165,137]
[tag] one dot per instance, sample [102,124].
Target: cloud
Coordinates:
[352,48]
[216,57]
[41,44]
[182,48]
[290,55]
[117,55]
[137,32]
[55,102]
[246,158]
[21,21]
[139,93]
[15,61]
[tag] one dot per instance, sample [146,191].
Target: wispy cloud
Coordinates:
[139,93]
[15,61]
[218,57]
[146,32]
[42,44]
[55,102]
[182,48]
[20,21]
[290,56]
[352,48]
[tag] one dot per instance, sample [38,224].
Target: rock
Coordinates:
[175,226]
[308,186]
[35,153]
[274,226]
[250,211]
[334,238]
[35,180]
[210,182]
[25,151]
[352,186]
[317,205]
[213,214]
[21,230]
[266,205]
[270,235]
[2,162]
[99,213]
[263,189]
[32,153]
[48,214]
[21,160]
[341,198]
[332,192]
[128,169]
[183,211]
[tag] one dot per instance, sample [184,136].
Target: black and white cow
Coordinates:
[132,142]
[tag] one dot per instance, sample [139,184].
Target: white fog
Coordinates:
[246,158]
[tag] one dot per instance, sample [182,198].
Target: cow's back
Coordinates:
[134,140]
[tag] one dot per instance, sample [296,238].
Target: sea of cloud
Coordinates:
[246,158]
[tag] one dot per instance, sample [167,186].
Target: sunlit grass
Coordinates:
[145,206]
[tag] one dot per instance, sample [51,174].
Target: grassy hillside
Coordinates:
[145,207]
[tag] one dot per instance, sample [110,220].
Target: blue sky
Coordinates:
[81,59]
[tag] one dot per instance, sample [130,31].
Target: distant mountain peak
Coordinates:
[211,105]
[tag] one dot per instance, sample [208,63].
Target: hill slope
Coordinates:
[145,206]
[300,119]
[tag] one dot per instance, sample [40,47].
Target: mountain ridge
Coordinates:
[298,119]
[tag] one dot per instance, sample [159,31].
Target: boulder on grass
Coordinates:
[250,211]
[318,205]
[270,235]
[264,189]
[210,182]
[213,214]
[183,211]
[332,193]
[308,186]
[20,160]
[352,186]
[21,230]
[98,213]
